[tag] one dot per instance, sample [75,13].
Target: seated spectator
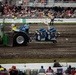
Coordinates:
[4,72]
[13,71]
[49,70]
[20,72]
[42,70]
[73,72]
[56,64]
[68,71]
[1,68]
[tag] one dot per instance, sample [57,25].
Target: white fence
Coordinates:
[38,20]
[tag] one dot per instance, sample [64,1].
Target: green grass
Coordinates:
[6,61]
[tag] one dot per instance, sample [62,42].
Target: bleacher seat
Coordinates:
[34,72]
[42,71]
[27,72]
[41,74]
[59,71]
[49,73]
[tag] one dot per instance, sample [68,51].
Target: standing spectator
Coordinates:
[1,10]
[56,64]
[52,19]
[69,13]
[51,16]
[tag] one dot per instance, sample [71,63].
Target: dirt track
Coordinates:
[65,48]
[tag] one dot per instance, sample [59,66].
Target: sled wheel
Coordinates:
[54,41]
[38,36]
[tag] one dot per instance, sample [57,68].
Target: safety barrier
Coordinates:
[38,20]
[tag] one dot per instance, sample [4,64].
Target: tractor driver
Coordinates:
[14,27]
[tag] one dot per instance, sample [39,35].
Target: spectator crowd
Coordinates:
[42,71]
[9,10]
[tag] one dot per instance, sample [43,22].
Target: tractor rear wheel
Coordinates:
[20,39]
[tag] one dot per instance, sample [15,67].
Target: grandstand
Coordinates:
[38,8]
[42,3]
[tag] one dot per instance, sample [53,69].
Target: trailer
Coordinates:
[46,35]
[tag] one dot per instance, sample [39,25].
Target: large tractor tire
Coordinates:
[20,39]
